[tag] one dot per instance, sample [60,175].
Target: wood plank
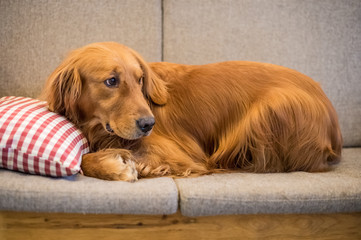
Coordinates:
[20,225]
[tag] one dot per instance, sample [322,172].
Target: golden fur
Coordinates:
[242,116]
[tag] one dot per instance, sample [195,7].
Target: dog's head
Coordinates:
[110,83]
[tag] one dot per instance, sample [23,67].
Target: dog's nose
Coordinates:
[145,124]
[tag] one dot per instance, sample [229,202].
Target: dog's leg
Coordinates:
[160,156]
[110,164]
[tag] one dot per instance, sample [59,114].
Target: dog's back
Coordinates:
[254,116]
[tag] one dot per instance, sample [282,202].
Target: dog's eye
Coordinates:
[111,82]
[141,79]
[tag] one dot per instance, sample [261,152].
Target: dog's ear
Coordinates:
[154,87]
[63,89]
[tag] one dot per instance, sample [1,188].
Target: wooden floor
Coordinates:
[37,226]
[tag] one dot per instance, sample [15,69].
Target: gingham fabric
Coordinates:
[37,141]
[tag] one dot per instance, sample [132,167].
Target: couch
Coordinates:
[319,38]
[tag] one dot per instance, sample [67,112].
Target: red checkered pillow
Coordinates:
[35,140]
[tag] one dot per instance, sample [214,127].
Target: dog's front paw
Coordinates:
[126,170]
[110,164]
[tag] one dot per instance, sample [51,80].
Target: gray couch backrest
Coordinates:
[319,38]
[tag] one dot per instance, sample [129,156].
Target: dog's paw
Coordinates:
[110,164]
[126,170]
[149,171]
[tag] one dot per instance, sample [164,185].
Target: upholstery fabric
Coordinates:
[37,35]
[298,192]
[321,39]
[80,194]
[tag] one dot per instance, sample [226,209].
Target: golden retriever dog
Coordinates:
[156,119]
